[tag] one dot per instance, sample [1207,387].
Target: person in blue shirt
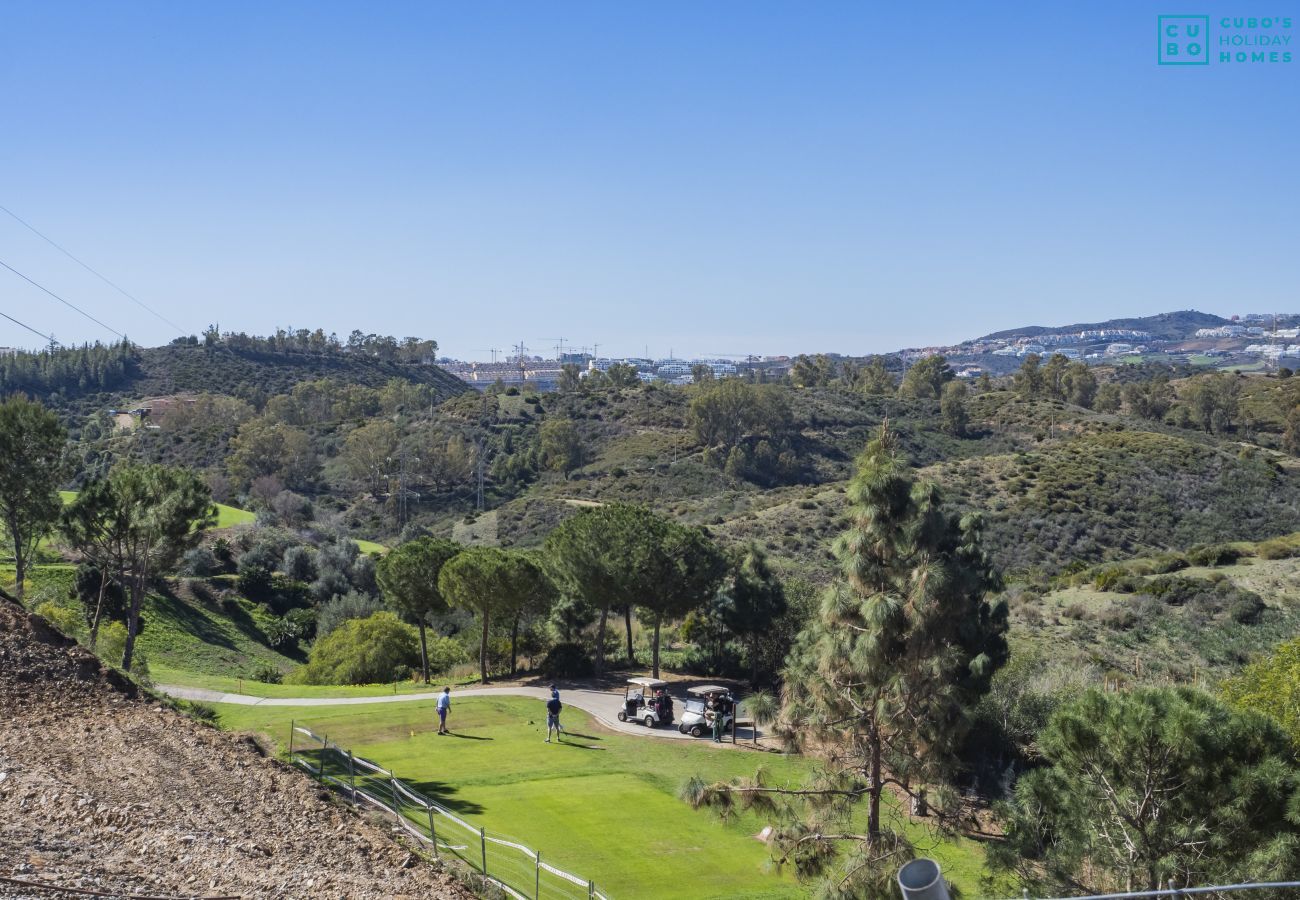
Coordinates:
[444,706]
[553,707]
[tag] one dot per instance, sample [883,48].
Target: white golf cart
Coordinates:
[646,700]
[698,717]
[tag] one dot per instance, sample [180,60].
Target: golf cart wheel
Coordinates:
[696,731]
[649,721]
[622,716]
[681,728]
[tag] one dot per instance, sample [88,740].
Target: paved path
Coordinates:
[601,704]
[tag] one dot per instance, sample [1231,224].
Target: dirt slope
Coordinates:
[106,791]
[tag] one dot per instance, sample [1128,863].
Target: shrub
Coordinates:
[1214,555]
[299,565]
[379,648]
[61,617]
[352,605]
[568,660]
[198,562]
[1107,578]
[112,643]
[204,712]
[1246,608]
[444,653]
[268,674]
[1278,548]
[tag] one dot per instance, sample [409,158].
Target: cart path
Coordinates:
[604,705]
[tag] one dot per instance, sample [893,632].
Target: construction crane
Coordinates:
[520,350]
[559,348]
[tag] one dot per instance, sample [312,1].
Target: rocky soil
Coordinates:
[107,791]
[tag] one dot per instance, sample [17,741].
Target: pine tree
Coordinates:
[881,681]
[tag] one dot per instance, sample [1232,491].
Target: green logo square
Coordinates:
[1183,40]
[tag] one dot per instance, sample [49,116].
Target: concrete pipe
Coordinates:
[920,880]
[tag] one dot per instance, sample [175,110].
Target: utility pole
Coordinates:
[520,349]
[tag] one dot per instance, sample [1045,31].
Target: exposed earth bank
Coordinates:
[104,790]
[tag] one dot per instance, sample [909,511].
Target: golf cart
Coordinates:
[698,717]
[646,700]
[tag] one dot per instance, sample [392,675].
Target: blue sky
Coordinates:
[715,178]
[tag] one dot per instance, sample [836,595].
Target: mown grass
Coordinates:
[602,805]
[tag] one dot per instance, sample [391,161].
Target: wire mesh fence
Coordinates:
[517,869]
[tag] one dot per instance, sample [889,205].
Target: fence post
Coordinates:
[537,875]
[482,842]
[433,835]
[591,890]
[320,760]
[291,730]
[352,777]
[397,800]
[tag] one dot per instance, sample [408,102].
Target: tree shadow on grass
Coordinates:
[187,618]
[443,794]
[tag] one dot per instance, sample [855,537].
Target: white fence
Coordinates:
[518,870]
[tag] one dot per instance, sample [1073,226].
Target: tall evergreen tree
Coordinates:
[31,465]
[881,680]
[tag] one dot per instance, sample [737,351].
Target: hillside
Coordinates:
[127,797]
[1167,326]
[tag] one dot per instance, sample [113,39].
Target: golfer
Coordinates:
[553,707]
[444,705]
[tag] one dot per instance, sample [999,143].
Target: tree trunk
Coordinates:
[424,651]
[482,650]
[627,618]
[876,788]
[20,566]
[99,606]
[600,641]
[753,661]
[658,622]
[133,619]
[514,641]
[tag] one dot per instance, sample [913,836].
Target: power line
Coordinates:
[136,300]
[48,337]
[61,300]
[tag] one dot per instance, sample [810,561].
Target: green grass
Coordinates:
[604,807]
[229,516]
[184,638]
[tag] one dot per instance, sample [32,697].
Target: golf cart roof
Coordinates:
[708,689]
[648,682]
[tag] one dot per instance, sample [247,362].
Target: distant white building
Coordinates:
[1118,349]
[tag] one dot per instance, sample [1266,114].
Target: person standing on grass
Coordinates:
[444,706]
[553,707]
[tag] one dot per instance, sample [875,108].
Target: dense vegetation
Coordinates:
[1132,531]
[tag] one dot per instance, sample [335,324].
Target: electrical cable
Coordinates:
[47,337]
[68,253]
[61,300]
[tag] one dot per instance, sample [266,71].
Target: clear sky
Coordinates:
[721,177]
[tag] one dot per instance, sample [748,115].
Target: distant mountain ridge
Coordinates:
[1169,326]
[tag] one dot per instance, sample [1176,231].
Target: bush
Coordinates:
[268,674]
[567,661]
[444,653]
[1246,608]
[376,649]
[1214,555]
[1278,548]
[62,618]
[299,565]
[204,712]
[352,605]
[111,646]
[1108,577]
[198,562]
